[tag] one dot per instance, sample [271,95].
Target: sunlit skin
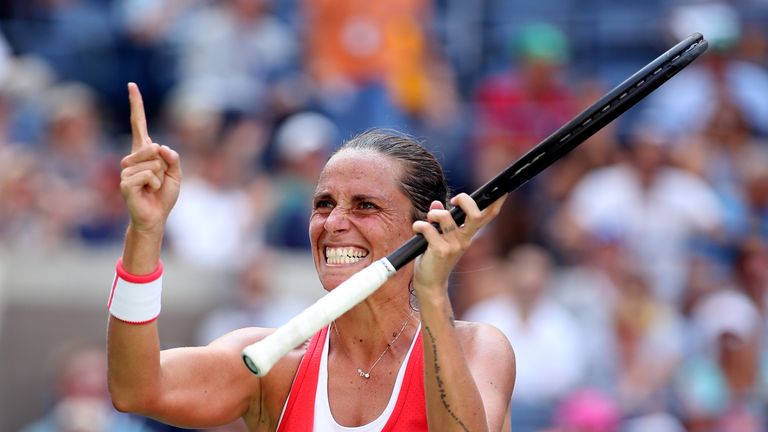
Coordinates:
[360,214]
[358,203]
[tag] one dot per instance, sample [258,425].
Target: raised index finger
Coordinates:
[138,118]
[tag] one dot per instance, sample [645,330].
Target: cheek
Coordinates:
[316,224]
[315,230]
[397,233]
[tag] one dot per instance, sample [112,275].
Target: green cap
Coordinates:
[540,41]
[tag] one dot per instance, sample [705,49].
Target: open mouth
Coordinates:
[344,255]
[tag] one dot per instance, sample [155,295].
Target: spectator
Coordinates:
[215,220]
[441,118]
[750,270]
[146,42]
[729,154]
[251,303]
[75,37]
[243,50]
[635,341]
[525,103]
[303,143]
[646,339]
[24,91]
[226,198]
[547,339]
[81,398]
[656,211]
[22,220]
[755,192]
[722,385]
[587,411]
[194,117]
[369,60]
[515,109]
[600,150]
[658,422]
[685,105]
[78,156]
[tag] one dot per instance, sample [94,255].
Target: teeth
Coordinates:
[345,255]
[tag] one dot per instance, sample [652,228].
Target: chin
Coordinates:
[331,277]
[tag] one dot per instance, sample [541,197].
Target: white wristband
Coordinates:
[136,299]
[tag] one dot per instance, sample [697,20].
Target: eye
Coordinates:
[323,204]
[367,205]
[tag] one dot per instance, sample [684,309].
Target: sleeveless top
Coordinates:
[408,412]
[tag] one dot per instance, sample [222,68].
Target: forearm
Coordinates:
[141,251]
[134,349]
[452,396]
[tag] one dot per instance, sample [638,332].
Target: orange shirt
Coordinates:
[370,41]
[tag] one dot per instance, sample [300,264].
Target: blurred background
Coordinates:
[631,277]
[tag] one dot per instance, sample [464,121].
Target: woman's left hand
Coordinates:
[445,248]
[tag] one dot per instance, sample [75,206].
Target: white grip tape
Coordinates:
[262,355]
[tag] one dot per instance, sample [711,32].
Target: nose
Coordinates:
[337,220]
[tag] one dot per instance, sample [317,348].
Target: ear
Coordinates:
[436,205]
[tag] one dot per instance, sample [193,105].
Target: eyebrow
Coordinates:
[321,195]
[364,197]
[355,198]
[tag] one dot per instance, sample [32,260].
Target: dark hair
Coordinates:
[422,180]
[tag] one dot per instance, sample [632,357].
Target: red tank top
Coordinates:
[410,413]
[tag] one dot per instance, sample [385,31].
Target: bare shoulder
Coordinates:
[490,356]
[481,340]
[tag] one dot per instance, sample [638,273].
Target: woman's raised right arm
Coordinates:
[192,387]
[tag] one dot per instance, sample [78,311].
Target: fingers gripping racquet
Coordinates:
[261,356]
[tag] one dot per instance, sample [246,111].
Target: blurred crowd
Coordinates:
[631,277]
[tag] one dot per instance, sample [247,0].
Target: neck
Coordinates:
[365,331]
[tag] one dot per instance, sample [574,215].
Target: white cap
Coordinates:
[304,133]
[727,311]
[657,422]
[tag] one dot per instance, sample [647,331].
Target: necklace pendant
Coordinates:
[365,375]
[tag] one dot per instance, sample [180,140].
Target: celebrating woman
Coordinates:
[395,362]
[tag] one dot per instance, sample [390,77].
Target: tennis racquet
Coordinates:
[261,356]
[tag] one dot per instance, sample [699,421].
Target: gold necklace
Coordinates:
[362,373]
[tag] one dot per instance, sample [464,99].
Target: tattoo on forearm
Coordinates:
[440,384]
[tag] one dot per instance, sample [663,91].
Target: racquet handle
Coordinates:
[261,356]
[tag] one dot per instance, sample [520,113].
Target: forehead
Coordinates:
[359,171]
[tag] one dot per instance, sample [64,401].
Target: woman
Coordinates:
[381,366]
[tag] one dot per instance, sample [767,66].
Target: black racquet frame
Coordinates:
[570,135]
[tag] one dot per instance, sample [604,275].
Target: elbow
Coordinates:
[129,400]
[126,403]
[122,404]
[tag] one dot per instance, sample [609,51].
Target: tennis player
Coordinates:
[396,362]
